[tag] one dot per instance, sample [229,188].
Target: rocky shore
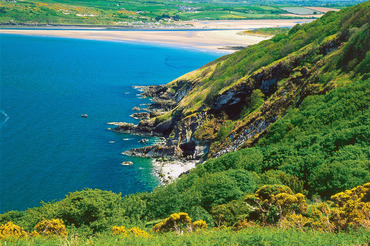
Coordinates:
[171,158]
[192,134]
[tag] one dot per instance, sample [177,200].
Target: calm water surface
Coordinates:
[47,148]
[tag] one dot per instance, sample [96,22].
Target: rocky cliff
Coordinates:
[230,103]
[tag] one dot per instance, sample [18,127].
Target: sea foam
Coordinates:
[5,116]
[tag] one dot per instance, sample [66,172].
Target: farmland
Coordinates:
[299,10]
[123,13]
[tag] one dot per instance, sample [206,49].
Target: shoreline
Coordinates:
[183,25]
[221,36]
[222,40]
[169,171]
[167,167]
[218,40]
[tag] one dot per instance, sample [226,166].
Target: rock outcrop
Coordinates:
[141,116]
[172,113]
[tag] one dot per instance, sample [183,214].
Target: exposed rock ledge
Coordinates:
[145,128]
[171,157]
[163,101]
[141,116]
[154,151]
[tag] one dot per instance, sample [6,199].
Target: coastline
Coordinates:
[221,36]
[168,171]
[167,166]
[216,40]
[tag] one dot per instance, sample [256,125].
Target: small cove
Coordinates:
[47,148]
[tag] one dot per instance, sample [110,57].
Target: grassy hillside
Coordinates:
[123,13]
[251,89]
[287,119]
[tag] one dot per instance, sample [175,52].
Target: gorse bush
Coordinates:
[352,208]
[271,203]
[54,227]
[139,233]
[123,232]
[51,227]
[10,230]
[277,205]
[179,222]
[176,222]
[119,230]
[199,224]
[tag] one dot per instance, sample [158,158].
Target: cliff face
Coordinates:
[231,102]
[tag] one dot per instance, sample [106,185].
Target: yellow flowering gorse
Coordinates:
[11,230]
[51,227]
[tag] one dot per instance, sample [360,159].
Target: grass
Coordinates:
[299,10]
[215,236]
[268,31]
[115,12]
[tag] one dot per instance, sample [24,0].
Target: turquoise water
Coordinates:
[47,148]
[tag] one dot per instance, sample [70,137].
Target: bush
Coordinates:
[94,210]
[136,231]
[272,203]
[231,213]
[139,233]
[10,230]
[199,224]
[51,227]
[353,208]
[176,222]
[119,230]
[217,189]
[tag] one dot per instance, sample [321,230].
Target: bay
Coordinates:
[47,148]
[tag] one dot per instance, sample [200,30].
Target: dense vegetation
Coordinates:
[92,218]
[274,77]
[268,31]
[115,12]
[305,179]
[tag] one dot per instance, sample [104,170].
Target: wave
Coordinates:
[6,117]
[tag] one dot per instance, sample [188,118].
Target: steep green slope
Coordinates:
[303,116]
[240,95]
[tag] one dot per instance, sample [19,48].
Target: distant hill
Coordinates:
[285,2]
[141,12]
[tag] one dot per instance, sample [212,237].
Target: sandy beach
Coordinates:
[243,24]
[228,35]
[168,171]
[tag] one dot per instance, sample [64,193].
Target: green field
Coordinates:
[299,10]
[117,12]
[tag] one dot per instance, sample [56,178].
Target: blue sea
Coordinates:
[47,148]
